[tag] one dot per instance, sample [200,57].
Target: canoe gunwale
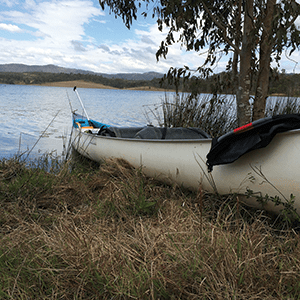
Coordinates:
[208,140]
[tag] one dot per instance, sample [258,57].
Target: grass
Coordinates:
[215,114]
[108,232]
[282,105]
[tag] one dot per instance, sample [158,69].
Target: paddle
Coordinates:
[75,90]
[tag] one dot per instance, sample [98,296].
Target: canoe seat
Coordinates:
[177,133]
[154,133]
[120,132]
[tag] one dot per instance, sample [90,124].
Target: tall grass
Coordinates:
[215,114]
[282,105]
[109,232]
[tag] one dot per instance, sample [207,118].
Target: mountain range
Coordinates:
[21,68]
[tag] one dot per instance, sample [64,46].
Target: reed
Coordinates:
[282,105]
[215,114]
[109,232]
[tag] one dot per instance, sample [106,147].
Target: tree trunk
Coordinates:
[266,45]
[242,96]
[237,42]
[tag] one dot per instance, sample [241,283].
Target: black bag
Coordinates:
[258,134]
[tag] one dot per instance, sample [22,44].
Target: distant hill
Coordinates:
[21,68]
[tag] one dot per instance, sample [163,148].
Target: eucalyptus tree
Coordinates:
[253,32]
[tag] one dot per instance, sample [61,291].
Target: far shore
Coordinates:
[92,85]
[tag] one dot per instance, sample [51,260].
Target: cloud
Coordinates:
[132,55]
[104,47]
[73,33]
[8,3]
[63,20]
[78,46]
[145,39]
[10,27]
[55,29]
[100,21]
[58,20]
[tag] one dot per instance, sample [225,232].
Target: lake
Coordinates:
[42,115]
[27,111]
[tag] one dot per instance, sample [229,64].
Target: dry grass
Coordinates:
[213,114]
[93,85]
[112,233]
[78,83]
[282,105]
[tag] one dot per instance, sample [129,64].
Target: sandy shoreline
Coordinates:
[77,83]
[92,85]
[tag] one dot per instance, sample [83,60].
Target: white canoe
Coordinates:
[273,170]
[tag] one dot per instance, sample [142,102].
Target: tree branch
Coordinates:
[289,24]
[223,29]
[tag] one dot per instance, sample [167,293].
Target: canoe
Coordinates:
[180,157]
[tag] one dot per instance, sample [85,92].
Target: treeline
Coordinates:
[222,83]
[41,77]
[288,84]
[280,83]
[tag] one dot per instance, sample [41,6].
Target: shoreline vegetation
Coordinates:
[92,85]
[282,84]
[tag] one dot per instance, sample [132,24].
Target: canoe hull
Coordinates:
[273,170]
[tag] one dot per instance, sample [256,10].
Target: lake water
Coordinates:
[27,111]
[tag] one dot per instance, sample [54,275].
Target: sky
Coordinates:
[79,34]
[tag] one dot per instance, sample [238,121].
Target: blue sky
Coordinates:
[78,34]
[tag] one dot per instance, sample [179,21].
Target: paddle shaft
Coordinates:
[75,90]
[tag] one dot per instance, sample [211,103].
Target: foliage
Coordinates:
[256,32]
[39,78]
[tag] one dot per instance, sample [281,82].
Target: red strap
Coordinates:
[243,128]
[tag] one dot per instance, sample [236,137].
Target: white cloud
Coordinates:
[138,54]
[59,36]
[100,21]
[63,20]
[78,46]
[9,3]
[147,40]
[57,30]
[59,20]
[10,27]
